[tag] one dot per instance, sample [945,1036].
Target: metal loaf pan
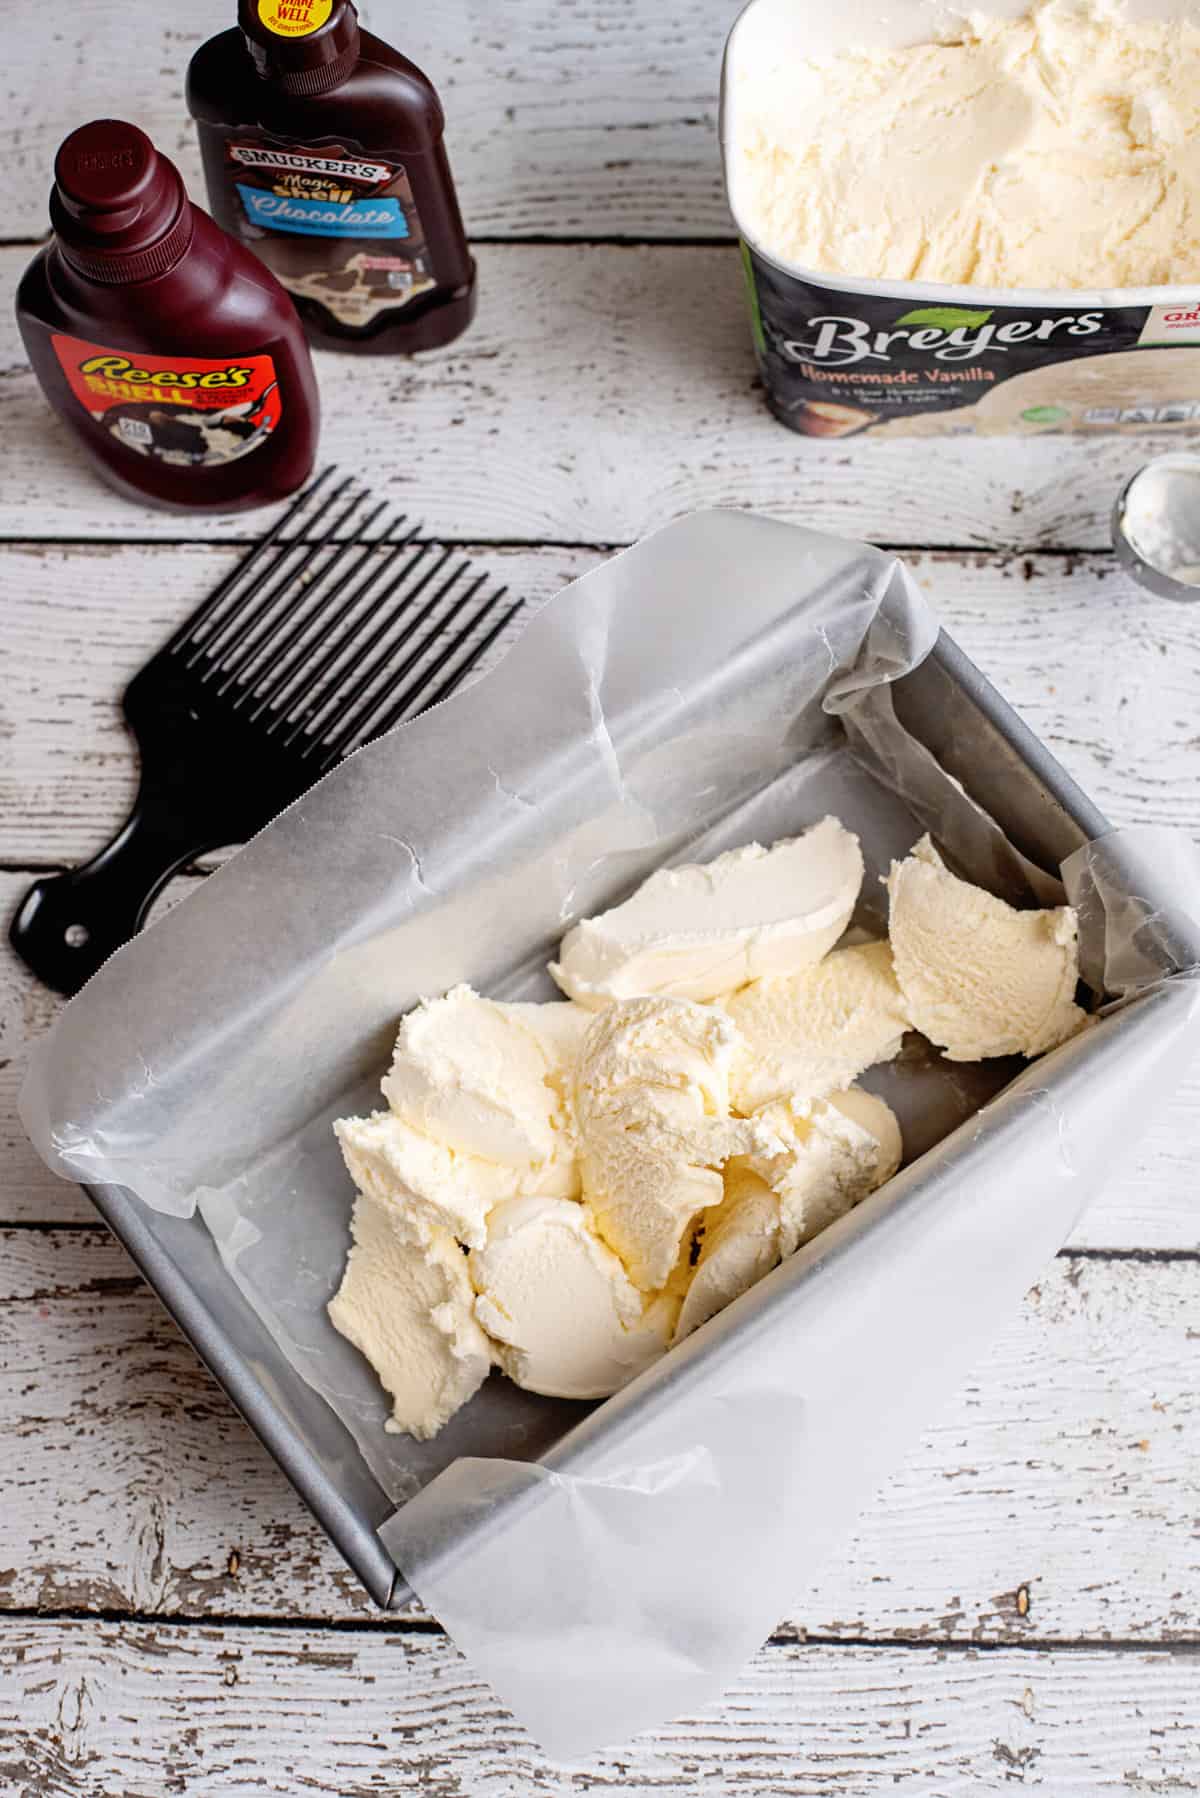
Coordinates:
[949,707]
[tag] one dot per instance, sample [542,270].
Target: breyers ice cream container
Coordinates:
[841,355]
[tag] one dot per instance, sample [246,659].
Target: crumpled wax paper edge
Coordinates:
[124,1089]
[646,705]
[594,1613]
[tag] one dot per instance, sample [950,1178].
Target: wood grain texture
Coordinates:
[602,391]
[28,1190]
[1107,678]
[591,121]
[90,1709]
[70,771]
[1064,1467]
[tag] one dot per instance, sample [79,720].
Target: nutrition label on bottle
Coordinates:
[335,226]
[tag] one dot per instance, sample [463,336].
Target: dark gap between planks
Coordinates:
[1183,1647]
[1009,552]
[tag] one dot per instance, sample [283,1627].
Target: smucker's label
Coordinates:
[337,226]
[836,363]
[188,411]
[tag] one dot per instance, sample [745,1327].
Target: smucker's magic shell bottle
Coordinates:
[323,151]
[173,354]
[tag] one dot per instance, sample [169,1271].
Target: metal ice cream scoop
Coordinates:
[1156,526]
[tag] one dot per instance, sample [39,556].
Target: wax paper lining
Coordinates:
[728,679]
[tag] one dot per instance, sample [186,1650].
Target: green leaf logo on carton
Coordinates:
[946,318]
[756,324]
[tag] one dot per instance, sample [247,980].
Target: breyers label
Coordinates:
[365,251]
[946,333]
[835,363]
[189,411]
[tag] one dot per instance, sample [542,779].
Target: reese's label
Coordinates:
[189,411]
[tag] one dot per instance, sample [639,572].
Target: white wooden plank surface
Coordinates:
[28,1190]
[70,774]
[602,391]
[1064,1467]
[593,120]
[1107,677]
[232,1712]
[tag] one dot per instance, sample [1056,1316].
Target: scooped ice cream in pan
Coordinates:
[565,1190]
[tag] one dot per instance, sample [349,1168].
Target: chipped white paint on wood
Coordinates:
[28,1191]
[589,121]
[1107,679]
[1065,1467]
[602,391]
[236,1713]
[70,771]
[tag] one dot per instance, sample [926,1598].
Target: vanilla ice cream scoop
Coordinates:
[623,1168]
[424,1186]
[831,1154]
[702,930]
[563,1315]
[815,1032]
[741,1244]
[867,1111]
[408,1306]
[651,1104]
[488,1079]
[978,977]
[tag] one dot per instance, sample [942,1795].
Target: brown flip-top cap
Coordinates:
[306,46]
[118,208]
